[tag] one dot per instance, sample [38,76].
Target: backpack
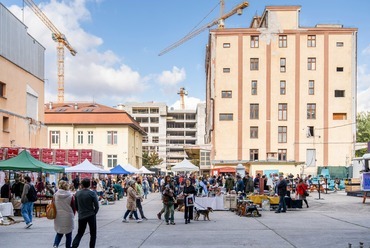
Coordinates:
[32,194]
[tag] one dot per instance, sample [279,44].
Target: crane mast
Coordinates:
[236,10]
[57,36]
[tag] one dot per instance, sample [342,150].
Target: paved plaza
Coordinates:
[335,221]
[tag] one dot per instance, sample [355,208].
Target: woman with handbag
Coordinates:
[132,195]
[188,193]
[302,191]
[65,209]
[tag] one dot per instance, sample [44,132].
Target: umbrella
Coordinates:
[119,170]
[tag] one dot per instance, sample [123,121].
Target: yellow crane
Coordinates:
[220,21]
[62,42]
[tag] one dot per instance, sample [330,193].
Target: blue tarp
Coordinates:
[119,170]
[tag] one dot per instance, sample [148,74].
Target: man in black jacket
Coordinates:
[87,206]
[281,188]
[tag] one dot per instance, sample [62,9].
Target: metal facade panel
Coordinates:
[17,46]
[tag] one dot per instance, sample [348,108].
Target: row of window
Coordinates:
[283,41]
[111,137]
[145,110]
[254,89]
[254,65]
[155,139]
[282,113]
[282,133]
[254,154]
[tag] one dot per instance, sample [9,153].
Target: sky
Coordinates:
[118,42]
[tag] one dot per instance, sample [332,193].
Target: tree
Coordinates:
[363,131]
[151,158]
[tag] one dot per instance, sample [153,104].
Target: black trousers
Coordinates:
[188,213]
[81,230]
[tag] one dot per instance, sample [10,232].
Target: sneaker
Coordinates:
[139,220]
[173,223]
[167,223]
[144,218]
[124,220]
[55,246]
[159,216]
[131,218]
[28,225]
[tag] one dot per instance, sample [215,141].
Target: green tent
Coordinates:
[25,162]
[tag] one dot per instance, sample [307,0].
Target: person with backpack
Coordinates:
[29,196]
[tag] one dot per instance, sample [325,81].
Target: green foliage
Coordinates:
[151,158]
[363,131]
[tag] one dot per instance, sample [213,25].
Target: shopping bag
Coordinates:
[51,211]
[189,201]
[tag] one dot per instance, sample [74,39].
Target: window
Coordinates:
[282,87]
[340,69]
[154,129]
[154,110]
[339,93]
[154,119]
[112,137]
[311,64]
[282,64]
[226,117]
[282,134]
[311,41]
[283,111]
[145,139]
[311,111]
[66,137]
[254,41]
[254,64]
[140,110]
[254,87]
[226,94]
[2,89]
[54,137]
[5,124]
[254,133]
[90,137]
[32,103]
[283,41]
[146,129]
[112,161]
[254,111]
[340,44]
[311,157]
[226,45]
[311,87]
[142,119]
[253,154]
[80,137]
[282,155]
[226,70]
[310,131]
[155,139]
[339,116]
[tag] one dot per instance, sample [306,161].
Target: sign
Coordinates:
[365,181]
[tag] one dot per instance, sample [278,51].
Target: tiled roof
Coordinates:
[88,114]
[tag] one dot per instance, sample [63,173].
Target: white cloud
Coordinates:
[190,103]
[363,88]
[173,77]
[91,74]
[366,50]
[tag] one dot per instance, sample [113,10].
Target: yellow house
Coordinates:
[94,126]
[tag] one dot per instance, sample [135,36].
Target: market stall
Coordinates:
[216,202]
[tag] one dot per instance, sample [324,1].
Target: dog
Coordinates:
[204,212]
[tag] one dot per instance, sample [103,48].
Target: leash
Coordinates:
[199,204]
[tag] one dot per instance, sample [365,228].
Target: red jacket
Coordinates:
[301,188]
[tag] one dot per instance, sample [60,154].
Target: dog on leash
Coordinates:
[204,212]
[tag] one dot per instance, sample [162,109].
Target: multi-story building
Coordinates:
[94,126]
[21,85]
[169,130]
[280,95]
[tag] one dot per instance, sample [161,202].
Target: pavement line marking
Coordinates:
[345,221]
[275,232]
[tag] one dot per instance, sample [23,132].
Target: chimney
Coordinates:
[50,105]
[76,106]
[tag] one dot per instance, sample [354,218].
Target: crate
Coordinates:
[73,153]
[355,181]
[47,153]
[73,160]
[60,153]
[352,188]
[11,153]
[35,152]
[47,160]
[2,153]
[60,160]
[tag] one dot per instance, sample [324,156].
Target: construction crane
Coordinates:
[182,94]
[220,21]
[57,36]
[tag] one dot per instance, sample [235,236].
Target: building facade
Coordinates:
[169,130]
[94,126]
[21,85]
[280,96]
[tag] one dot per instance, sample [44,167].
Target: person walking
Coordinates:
[301,189]
[166,180]
[281,187]
[168,198]
[65,206]
[189,191]
[87,206]
[132,195]
[140,192]
[27,206]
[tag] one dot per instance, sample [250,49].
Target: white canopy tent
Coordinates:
[130,168]
[144,170]
[185,165]
[85,167]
